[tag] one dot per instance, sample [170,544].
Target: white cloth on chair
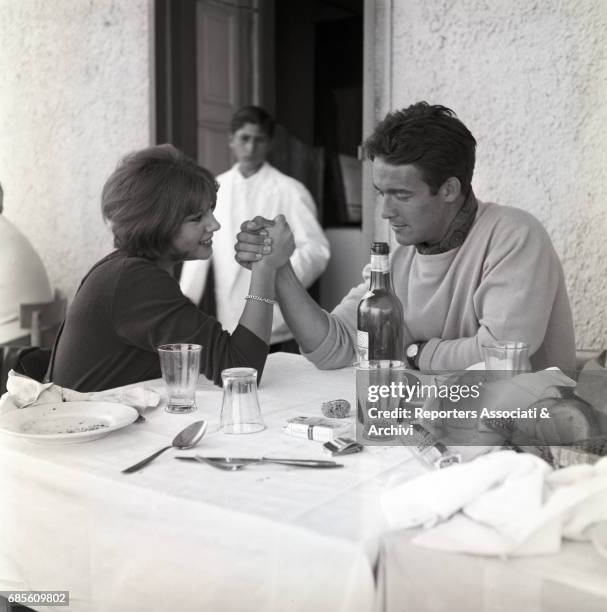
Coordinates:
[504,503]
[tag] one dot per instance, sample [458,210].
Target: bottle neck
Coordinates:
[380,272]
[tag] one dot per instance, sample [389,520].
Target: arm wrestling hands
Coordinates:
[258,239]
[254,241]
[264,240]
[257,316]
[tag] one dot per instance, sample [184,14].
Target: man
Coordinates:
[467,272]
[254,187]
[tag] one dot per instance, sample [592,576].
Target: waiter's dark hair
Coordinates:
[148,196]
[255,115]
[431,138]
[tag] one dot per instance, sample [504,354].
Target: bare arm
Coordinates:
[302,314]
[257,314]
[305,318]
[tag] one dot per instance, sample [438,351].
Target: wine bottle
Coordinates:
[380,312]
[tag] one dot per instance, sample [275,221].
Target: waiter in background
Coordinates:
[254,187]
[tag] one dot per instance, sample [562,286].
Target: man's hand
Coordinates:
[253,241]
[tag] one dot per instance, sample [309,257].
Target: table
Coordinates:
[184,536]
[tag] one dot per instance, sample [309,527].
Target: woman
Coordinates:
[159,204]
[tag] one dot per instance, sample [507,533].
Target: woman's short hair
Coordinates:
[431,138]
[148,196]
[255,115]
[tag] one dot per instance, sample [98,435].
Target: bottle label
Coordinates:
[362,342]
[380,263]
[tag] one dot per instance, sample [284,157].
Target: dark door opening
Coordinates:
[318,52]
[310,77]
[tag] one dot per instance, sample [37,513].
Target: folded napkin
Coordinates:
[23,391]
[505,503]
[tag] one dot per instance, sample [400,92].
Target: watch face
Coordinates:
[412,350]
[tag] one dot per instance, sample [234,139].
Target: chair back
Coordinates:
[43,320]
[31,361]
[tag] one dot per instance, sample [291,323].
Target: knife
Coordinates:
[312,463]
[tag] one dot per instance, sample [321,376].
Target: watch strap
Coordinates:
[420,348]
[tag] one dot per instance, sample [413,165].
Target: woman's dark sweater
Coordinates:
[124,309]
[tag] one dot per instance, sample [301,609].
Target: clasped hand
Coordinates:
[261,239]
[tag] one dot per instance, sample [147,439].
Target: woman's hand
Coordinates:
[282,244]
[253,241]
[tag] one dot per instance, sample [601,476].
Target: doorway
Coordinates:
[303,61]
[318,72]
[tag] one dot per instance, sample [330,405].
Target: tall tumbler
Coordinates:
[506,359]
[240,411]
[180,365]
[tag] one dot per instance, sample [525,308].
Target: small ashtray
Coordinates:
[342,446]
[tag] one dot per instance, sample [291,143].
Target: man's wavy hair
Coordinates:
[148,197]
[255,115]
[431,138]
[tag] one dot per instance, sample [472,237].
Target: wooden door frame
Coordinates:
[377,59]
[175,74]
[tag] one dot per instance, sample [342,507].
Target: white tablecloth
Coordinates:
[185,536]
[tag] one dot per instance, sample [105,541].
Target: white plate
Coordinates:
[477,366]
[67,422]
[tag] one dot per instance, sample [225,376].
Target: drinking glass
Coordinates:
[180,365]
[240,411]
[378,401]
[506,359]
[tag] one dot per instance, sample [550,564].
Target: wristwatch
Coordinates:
[413,353]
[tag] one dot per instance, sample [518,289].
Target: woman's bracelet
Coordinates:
[260,299]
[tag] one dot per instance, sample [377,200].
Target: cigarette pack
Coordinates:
[316,428]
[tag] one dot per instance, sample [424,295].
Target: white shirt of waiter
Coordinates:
[267,192]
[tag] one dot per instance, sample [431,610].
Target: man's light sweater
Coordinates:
[504,283]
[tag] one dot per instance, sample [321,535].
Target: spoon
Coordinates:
[187,438]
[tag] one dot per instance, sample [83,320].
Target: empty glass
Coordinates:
[240,412]
[180,365]
[506,359]
[377,382]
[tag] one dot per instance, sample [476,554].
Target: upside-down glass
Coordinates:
[506,359]
[180,365]
[240,412]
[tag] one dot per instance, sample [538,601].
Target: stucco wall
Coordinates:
[74,97]
[530,81]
